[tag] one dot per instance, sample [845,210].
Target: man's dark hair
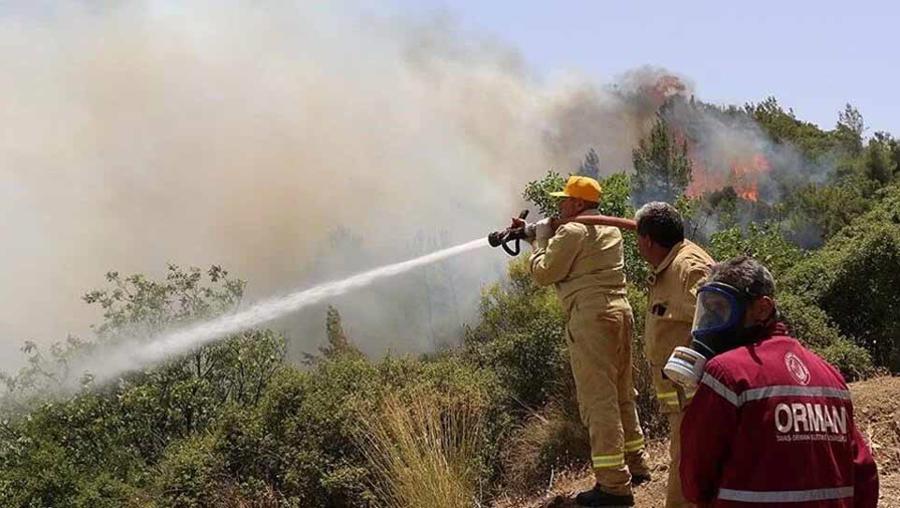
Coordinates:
[744,274]
[661,222]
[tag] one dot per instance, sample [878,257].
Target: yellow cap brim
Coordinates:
[560,194]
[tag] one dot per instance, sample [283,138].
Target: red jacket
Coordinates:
[772,425]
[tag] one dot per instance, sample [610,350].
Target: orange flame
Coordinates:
[743,176]
[744,170]
[746,176]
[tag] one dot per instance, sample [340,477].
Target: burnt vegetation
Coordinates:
[237,424]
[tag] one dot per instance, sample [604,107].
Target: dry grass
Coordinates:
[423,453]
[550,441]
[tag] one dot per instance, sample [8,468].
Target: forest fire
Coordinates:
[747,176]
[743,176]
[664,87]
[725,150]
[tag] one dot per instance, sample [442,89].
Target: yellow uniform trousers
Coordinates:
[671,404]
[599,341]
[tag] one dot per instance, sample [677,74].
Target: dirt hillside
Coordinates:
[877,407]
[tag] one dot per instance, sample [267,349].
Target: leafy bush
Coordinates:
[853,361]
[808,323]
[302,439]
[765,243]
[854,279]
[189,474]
[520,338]
[537,192]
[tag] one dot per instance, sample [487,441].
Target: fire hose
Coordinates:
[516,232]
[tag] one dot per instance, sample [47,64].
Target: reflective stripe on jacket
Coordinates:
[772,425]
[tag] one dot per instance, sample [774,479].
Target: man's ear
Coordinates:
[762,308]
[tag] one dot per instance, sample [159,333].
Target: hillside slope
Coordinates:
[877,406]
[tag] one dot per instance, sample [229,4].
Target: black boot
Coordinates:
[597,497]
[640,479]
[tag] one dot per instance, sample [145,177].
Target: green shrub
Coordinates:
[189,475]
[537,192]
[853,361]
[808,323]
[483,391]
[301,441]
[105,490]
[520,337]
[854,279]
[765,243]
[308,420]
[37,473]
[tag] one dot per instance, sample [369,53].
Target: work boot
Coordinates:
[598,497]
[640,479]
[637,466]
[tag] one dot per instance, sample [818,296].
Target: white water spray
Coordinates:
[133,355]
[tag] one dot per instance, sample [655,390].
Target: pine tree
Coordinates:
[591,165]
[878,162]
[662,168]
[849,130]
[338,344]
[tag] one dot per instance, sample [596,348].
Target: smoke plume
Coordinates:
[290,144]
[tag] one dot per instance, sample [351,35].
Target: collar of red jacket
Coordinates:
[777,329]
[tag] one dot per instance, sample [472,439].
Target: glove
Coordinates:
[543,230]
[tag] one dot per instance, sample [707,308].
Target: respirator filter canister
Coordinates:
[717,319]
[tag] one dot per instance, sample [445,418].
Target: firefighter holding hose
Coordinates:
[585,263]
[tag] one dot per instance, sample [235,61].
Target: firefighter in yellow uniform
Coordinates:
[585,264]
[679,267]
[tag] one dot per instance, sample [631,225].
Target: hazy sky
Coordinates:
[813,56]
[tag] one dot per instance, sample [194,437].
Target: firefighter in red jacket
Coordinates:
[771,423]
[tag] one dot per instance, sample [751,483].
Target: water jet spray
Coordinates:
[131,355]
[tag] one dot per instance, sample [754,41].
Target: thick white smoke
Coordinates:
[288,143]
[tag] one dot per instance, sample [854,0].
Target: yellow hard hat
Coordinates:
[581,187]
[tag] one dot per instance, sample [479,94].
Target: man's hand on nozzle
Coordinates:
[540,230]
[518,223]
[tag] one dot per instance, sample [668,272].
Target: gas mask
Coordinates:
[718,327]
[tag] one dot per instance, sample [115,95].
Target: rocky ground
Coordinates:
[877,406]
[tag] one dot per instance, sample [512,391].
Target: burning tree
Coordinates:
[662,168]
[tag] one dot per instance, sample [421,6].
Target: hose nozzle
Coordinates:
[502,238]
